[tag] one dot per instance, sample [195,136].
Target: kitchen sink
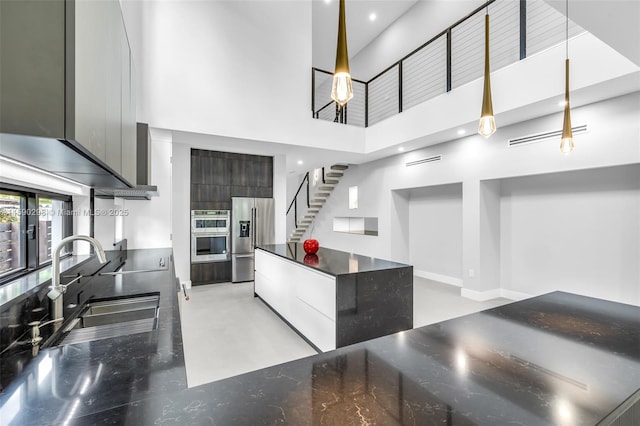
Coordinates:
[107,318]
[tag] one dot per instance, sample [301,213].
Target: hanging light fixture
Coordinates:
[487,125]
[342,90]
[566,143]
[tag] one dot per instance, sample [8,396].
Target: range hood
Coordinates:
[139,192]
[142,191]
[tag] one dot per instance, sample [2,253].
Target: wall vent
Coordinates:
[539,137]
[424,160]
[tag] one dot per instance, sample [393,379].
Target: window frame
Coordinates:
[30,199]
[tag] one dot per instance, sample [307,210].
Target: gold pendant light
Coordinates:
[487,125]
[566,143]
[342,90]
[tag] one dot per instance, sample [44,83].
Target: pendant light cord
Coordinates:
[567,29]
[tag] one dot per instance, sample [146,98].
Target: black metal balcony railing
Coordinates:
[454,57]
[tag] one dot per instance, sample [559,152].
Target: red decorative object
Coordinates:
[311,259]
[311,246]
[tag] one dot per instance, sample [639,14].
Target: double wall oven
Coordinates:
[210,235]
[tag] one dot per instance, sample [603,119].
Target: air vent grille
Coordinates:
[544,136]
[424,160]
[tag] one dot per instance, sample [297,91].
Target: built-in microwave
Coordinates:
[210,221]
[210,235]
[209,247]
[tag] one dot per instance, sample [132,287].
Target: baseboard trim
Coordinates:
[438,277]
[514,295]
[482,296]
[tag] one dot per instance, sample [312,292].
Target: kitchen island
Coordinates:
[333,298]
[555,359]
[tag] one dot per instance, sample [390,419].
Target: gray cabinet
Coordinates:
[32,77]
[67,74]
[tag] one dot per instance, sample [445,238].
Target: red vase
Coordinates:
[311,246]
[311,259]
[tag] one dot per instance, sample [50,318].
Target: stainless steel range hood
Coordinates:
[140,192]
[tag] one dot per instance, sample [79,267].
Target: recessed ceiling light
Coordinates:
[462,131]
[401,149]
[561,103]
[372,16]
[327,1]
[300,162]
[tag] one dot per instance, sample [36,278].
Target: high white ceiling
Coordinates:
[361,30]
[617,26]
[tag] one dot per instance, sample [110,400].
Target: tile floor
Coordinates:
[227,331]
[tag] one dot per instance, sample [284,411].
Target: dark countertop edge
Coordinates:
[397,265]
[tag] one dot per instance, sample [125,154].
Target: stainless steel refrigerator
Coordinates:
[252,223]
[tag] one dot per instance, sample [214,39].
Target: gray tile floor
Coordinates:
[227,331]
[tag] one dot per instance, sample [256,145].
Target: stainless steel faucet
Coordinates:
[57,289]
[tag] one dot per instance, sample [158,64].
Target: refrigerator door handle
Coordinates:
[255,230]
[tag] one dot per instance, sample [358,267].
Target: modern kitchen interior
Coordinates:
[321,212]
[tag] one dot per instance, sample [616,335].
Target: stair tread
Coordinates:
[334,174]
[339,167]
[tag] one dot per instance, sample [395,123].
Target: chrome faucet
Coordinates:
[58,289]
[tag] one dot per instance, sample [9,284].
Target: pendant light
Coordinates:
[487,125]
[342,90]
[566,143]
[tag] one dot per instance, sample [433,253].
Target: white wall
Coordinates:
[419,24]
[577,231]
[613,139]
[181,211]
[104,227]
[242,70]
[147,223]
[280,197]
[234,68]
[435,242]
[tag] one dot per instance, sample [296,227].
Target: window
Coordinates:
[31,225]
[11,236]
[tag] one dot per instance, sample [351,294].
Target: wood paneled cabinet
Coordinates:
[66,73]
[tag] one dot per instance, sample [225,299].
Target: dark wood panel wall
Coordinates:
[215,178]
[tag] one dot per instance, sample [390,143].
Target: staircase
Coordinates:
[317,200]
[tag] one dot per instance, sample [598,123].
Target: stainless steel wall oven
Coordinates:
[210,235]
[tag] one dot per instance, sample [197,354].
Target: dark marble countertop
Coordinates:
[553,359]
[330,261]
[63,383]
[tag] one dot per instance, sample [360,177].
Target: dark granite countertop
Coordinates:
[330,261]
[63,383]
[554,359]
